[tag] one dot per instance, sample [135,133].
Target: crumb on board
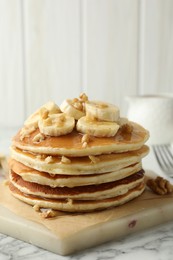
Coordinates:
[48,213]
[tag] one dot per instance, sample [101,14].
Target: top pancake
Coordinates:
[71,144]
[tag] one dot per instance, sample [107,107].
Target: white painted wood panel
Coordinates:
[156,46]
[107,48]
[110,49]
[11,67]
[52,51]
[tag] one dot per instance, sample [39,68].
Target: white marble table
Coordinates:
[152,244]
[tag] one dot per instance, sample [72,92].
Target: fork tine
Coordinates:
[167,147]
[168,155]
[164,158]
[159,156]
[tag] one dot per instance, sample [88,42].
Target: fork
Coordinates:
[164,158]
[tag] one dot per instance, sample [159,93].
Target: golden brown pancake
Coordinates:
[80,165]
[61,180]
[88,192]
[70,205]
[71,144]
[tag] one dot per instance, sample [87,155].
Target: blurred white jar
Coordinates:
[155,113]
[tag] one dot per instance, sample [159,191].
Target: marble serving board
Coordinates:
[95,228]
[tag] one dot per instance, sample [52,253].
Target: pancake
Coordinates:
[61,180]
[80,165]
[69,205]
[71,144]
[89,192]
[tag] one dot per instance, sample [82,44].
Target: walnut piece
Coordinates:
[83,97]
[160,186]
[69,201]
[48,213]
[44,112]
[36,207]
[41,156]
[65,160]
[85,144]
[59,121]
[38,138]
[26,131]
[85,138]
[78,105]
[49,159]
[94,159]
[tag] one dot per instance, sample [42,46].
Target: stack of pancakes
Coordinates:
[77,172]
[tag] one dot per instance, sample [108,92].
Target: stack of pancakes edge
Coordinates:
[76,171]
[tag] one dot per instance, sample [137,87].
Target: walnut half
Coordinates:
[160,186]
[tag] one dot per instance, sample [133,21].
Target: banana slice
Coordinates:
[73,108]
[52,107]
[97,128]
[56,124]
[33,119]
[102,111]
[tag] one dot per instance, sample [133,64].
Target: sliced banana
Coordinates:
[73,108]
[33,119]
[102,111]
[97,128]
[52,107]
[56,124]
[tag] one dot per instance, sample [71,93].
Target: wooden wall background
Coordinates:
[54,49]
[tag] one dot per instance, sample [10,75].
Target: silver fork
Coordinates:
[164,158]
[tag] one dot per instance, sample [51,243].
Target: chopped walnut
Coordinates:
[70,201]
[52,174]
[41,156]
[78,105]
[48,213]
[49,159]
[65,160]
[85,144]
[38,138]
[74,100]
[44,112]
[160,186]
[85,138]
[59,121]
[26,131]
[36,207]
[83,97]
[94,159]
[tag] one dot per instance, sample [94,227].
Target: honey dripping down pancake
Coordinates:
[79,157]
